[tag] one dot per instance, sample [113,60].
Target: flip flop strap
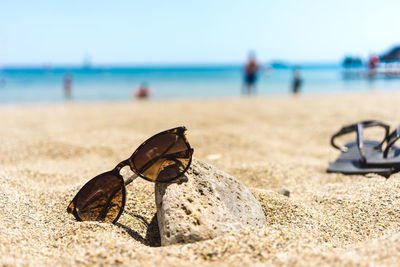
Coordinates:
[360,140]
[358,128]
[392,138]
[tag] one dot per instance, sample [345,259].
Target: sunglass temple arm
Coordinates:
[130,179]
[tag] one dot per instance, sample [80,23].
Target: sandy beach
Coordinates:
[49,151]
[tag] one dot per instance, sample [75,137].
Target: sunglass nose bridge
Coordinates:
[123,164]
[126,171]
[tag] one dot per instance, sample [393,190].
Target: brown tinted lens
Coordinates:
[163,158]
[101,199]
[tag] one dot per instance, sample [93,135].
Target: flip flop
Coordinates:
[366,156]
[350,162]
[390,157]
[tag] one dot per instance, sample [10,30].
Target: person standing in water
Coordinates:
[68,85]
[251,69]
[296,84]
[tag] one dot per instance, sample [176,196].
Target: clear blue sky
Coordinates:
[185,32]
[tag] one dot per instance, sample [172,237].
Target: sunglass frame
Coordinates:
[130,162]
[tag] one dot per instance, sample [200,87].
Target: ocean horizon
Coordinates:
[38,84]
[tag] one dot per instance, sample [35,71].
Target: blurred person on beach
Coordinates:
[373,62]
[297,81]
[142,92]
[251,69]
[68,85]
[372,66]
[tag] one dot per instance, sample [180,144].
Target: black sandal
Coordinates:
[390,157]
[366,156]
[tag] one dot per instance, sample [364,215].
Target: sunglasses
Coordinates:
[162,158]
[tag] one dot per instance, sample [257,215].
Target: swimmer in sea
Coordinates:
[142,92]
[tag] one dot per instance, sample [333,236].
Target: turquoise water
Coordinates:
[32,85]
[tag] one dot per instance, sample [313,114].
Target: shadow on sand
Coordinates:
[152,237]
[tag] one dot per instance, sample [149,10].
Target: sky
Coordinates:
[194,32]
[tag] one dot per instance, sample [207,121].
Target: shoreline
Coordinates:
[201,99]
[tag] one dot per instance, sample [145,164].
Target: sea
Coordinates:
[19,85]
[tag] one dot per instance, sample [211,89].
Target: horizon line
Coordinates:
[163,65]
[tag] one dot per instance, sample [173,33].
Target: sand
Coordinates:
[49,151]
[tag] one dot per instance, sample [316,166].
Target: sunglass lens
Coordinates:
[101,199]
[163,158]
